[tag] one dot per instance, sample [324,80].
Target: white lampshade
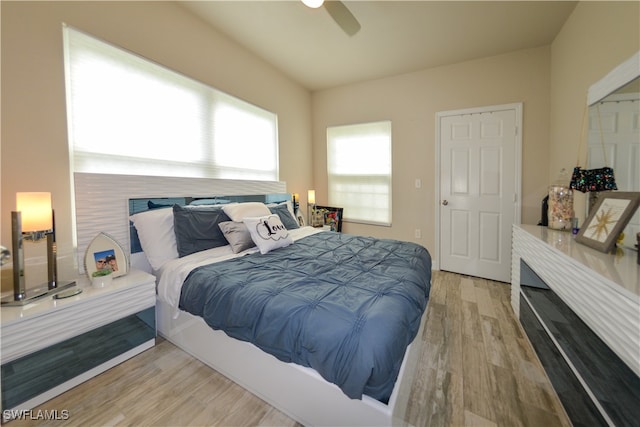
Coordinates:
[35,211]
[311,197]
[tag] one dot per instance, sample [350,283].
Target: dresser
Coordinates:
[51,345]
[581,311]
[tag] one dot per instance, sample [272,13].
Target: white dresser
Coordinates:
[580,309]
[602,289]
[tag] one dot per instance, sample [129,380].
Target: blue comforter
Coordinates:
[347,306]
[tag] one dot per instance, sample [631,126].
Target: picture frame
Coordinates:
[609,216]
[104,252]
[331,216]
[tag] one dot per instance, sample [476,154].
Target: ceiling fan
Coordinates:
[339,12]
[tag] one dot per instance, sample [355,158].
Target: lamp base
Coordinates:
[36,294]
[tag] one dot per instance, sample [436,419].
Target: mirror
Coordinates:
[614,132]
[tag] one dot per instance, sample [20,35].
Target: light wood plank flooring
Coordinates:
[477,369]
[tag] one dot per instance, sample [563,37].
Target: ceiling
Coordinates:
[396,36]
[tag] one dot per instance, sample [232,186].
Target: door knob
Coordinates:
[445,202]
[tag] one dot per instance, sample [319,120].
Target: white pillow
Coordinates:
[239,211]
[157,237]
[268,233]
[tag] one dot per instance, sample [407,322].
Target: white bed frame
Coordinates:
[299,392]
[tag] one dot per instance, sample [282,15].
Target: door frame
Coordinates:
[517,107]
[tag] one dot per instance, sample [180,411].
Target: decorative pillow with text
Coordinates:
[268,232]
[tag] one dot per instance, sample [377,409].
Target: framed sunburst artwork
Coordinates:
[607,219]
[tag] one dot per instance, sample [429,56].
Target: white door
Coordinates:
[479,188]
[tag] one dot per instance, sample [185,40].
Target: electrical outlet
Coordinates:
[418,233]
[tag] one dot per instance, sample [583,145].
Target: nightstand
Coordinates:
[52,345]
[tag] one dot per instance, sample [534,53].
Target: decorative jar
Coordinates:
[560,207]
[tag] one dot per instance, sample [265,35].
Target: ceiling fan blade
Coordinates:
[343,17]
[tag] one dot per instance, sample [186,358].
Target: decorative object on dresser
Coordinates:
[33,221]
[105,253]
[68,293]
[101,278]
[586,180]
[599,179]
[560,202]
[607,219]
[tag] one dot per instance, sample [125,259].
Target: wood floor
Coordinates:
[477,369]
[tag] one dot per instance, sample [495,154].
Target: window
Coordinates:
[128,115]
[359,171]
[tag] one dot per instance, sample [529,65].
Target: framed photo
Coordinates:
[300,218]
[104,253]
[331,216]
[607,219]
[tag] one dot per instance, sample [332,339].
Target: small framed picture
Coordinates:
[104,253]
[300,218]
[609,216]
[331,216]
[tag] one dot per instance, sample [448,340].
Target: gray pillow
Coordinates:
[237,235]
[289,222]
[197,228]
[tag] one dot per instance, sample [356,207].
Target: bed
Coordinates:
[319,324]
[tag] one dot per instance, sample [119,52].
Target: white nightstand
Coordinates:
[52,345]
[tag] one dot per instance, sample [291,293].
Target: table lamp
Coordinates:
[311,206]
[33,221]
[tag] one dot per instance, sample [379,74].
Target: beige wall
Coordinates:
[34,151]
[595,39]
[411,101]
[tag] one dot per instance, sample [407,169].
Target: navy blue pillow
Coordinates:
[283,212]
[151,205]
[197,228]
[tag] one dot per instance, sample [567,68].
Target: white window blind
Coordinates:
[128,115]
[359,171]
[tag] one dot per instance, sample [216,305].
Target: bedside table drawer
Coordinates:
[33,334]
[64,364]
